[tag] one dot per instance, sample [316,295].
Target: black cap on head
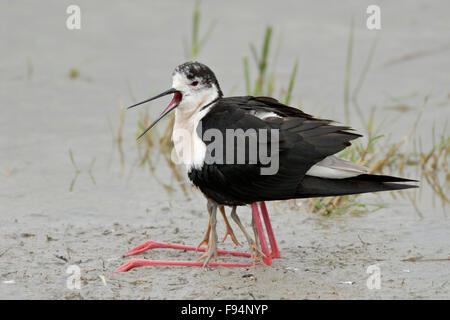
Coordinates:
[196,70]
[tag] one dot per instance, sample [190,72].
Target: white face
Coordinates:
[195,93]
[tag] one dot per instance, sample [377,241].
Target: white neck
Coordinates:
[189,148]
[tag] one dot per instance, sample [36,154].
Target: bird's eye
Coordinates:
[194,84]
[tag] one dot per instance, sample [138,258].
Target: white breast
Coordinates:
[189,148]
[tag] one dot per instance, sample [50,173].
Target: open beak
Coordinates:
[172,105]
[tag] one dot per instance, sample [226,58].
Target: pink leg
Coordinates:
[134,263]
[262,238]
[151,244]
[273,243]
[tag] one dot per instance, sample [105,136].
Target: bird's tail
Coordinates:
[322,187]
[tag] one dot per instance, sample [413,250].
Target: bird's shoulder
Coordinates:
[298,131]
[234,108]
[266,112]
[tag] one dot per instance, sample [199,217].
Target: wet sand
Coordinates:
[125,52]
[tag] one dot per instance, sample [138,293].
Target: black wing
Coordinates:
[303,141]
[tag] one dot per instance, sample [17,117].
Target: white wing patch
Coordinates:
[333,167]
[264,114]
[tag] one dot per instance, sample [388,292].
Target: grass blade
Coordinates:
[348,68]
[291,83]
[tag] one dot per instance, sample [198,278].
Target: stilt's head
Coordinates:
[197,84]
[193,86]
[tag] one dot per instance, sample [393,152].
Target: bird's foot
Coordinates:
[134,263]
[210,252]
[203,242]
[229,232]
[256,253]
[147,245]
[205,239]
[152,244]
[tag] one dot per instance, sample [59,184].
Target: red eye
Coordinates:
[195,83]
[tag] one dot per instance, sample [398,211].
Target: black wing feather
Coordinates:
[303,141]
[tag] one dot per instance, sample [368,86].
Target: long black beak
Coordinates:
[173,104]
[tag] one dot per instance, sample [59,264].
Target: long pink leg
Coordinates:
[262,238]
[134,263]
[273,243]
[152,244]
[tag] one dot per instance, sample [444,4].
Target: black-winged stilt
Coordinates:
[248,150]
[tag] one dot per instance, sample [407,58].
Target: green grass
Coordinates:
[197,42]
[263,84]
[348,69]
